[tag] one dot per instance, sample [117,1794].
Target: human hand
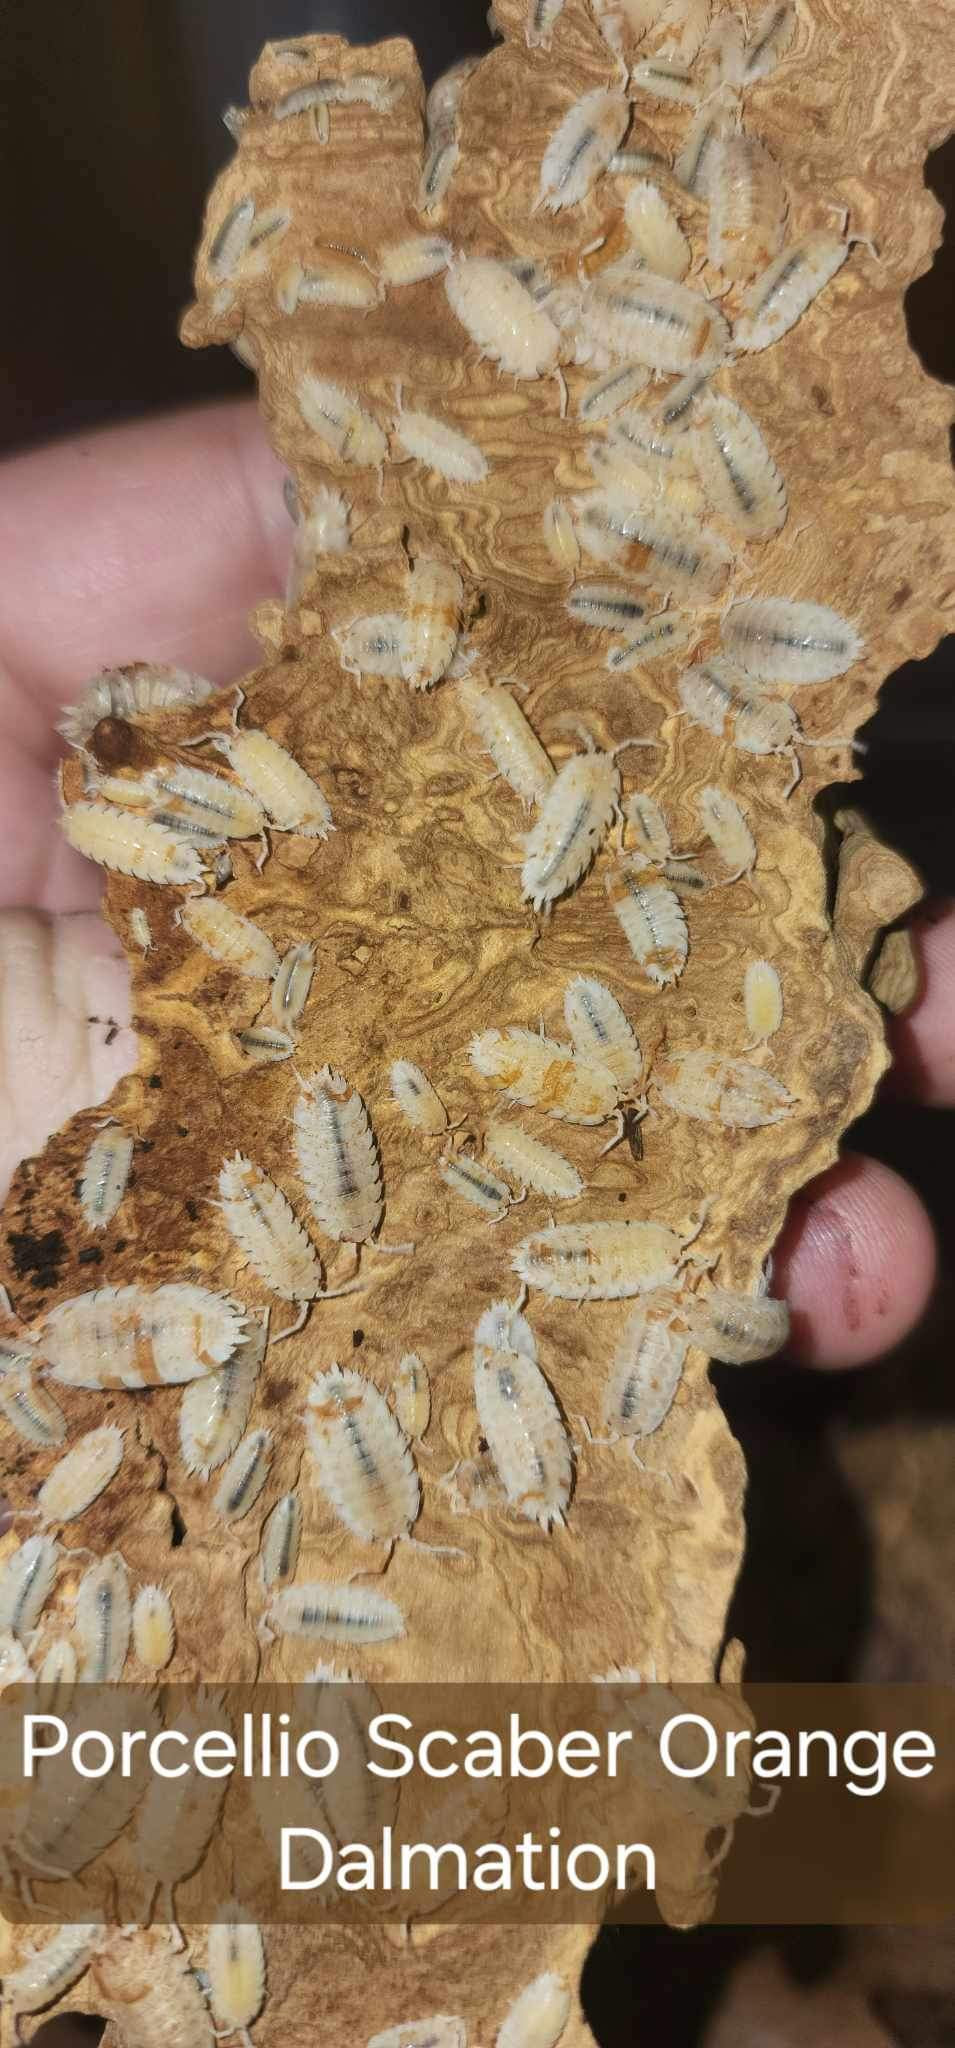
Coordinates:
[154,541]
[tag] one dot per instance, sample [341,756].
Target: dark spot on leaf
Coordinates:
[37,1256]
[91,1256]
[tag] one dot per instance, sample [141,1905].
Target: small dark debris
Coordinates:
[357,1338]
[621,1198]
[90,1257]
[181,1131]
[37,1257]
[155,1081]
[120,1245]
[145,1144]
[112,1033]
[192,1210]
[483,1446]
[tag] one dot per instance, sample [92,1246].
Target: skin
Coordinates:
[154,540]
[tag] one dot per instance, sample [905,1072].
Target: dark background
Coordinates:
[114,135]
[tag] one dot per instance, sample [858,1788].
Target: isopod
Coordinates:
[235,1963]
[440,447]
[105,1174]
[601,1031]
[581,147]
[609,607]
[337,279]
[261,1045]
[292,799]
[29,1409]
[770,40]
[541,1073]
[244,1476]
[129,844]
[338,1157]
[57,1673]
[737,1328]
[26,1582]
[666,633]
[412,1395]
[655,234]
[131,693]
[600,1261]
[267,1232]
[646,819]
[762,1001]
[677,409]
[281,1538]
[373,645]
[322,530]
[82,1475]
[50,1970]
[519,1417]
[508,737]
[136,1337]
[154,1627]
[710,1088]
[639,439]
[336,1614]
[440,162]
[362,1458]
[466,1176]
[419,1102]
[695,164]
[213,1411]
[230,938]
[666,78]
[748,207]
[149,1992]
[721,54]
[231,239]
[102,1620]
[539,27]
[610,393]
[441,2031]
[651,919]
[662,323]
[290,988]
[531,1163]
[782,293]
[501,317]
[724,824]
[433,612]
[646,1370]
[139,928]
[560,539]
[538,2017]
[777,640]
[192,797]
[414,259]
[711,692]
[665,548]
[737,471]
[352,434]
[575,817]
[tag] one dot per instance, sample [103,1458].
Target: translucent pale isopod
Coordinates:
[618,388]
[771,37]
[231,239]
[654,231]
[139,927]
[337,416]
[777,640]
[441,447]
[782,293]
[501,317]
[134,692]
[609,607]
[530,1163]
[645,818]
[58,1673]
[373,645]
[50,1970]
[26,1582]
[137,1337]
[362,1459]
[149,1992]
[724,824]
[507,736]
[520,1419]
[102,1620]
[154,1628]
[230,938]
[440,162]
[665,548]
[281,1538]
[267,1231]
[651,919]
[580,149]
[539,27]
[737,1328]
[433,611]
[712,1089]
[337,1614]
[291,985]
[418,257]
[762,1001]
[441,2031]
[665,78]
[646,1371]
[574,819]
[213,1412]
[336,279]
[538,2017]
[129,844]
[662,323]
[737,471]
[292,799]
[417,1100]
[412,1393]
[599,1261]
[694,166]
[710,693]
[665,634]
[29,1409]
[466,1176]
[244,1476]
[190,799]
[748,207]
[541,1073]
[105,1174]
[601,1031]
[559,536]
[261,1045]
[235,1962]
[338,1157]
[82,1475]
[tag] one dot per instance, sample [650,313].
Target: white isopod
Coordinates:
[711,692]
[417,257]
[541,1073]
[531,1163]
[321,530]
[737,471]
[281,1538]
[154,1627]
[29,1409]
[440,162]
[724,824]
[680,407]
[778,640]
[137,1337]
[102,1620]
[762,1001]
[508,737]
[337,416]
[665,78]
[780,296]
[336,279]
[710,1088]
[645,818]
[412,1395]
[748,207]
[336,1614]
[695,164]
[268,1233]
[520,1418]
[337,1157]
[290,988]
[230,938]
[581,147]
[292,799]
[662,323]
[646,1370]
[608,607]
[665,548]
[501,317]
[231,239]
[610,393]
[417,1100]
[129,844]
[105,1174]
[244,1476]
[235,1963]
[26,1582]
[655,233]
[443,2030]
[575,817]
[538,2017]
[131,693]
[149,1992]
[638,440]
[770,40]
[445,94]
[362,1459]
[261,1045]
[440,447]
[82,1475]
[600,1261]
[465,1176]
[139,928]
[738,1328]
[213,1411]
[50,1970]
[433,612]
[601,1031]
[651,918]
[58,1673]
[371,646]
[665,634]
[560,539]
[538,29]
[191,798]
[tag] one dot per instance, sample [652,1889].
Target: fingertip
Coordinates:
[923,1040]
[856,1262]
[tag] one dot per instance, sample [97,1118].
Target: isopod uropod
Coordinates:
[520,1418]
[362,1457]
[105,1174]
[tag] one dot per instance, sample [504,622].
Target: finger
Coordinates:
[856,1263]
[144,542]
[923,1041]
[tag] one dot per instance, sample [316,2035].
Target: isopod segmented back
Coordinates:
[362,1459]
[520,1419]
[781,640]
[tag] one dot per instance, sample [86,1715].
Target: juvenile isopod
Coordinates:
[336,279]
[433,611]
[417,257]
[362,1459]
[780,296]
[139,928]
[601,1031]
[651,919]
[26,1582]
[292,799]
[748,207]
[443,2030]
[440,162]
[778,640]
[737,471]
[213,1411]
[541,1073]
[336,415]
[281,1538]
[710,1088]
[530,1163]
[538,2017]
[129,844]
[666,548]
[665,634]
[261,1045]
[466,1176]
[58,1673]
[695,164]
[680,406]
[711,692]
[737,1328]
[501,317]
[507,736]
[230,938]
[154,1627]
[655,234]
[610,393]
[770,40]
[29,1409]
[724,824]
[290,988]
[321,530]
[81,1475]
[235,1963]
[601,1261]
[50,1970]
[136,1337]
[581,147]
[412,1396]
[651,449]
[538,29]
[102,1620]
[646,1370]
[373,645]
[762,1001]
[440,447]
[244,1476]
[336,1614]
[419,1102]
[337,1155]
[609,607]
[520,1418]
[560,539]
[575,817]
[105,1174]
[231,239]
[645,818]
[662,323]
